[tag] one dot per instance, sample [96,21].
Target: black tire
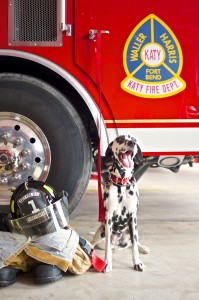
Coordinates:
[69,143]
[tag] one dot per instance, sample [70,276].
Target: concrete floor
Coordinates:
[168,224]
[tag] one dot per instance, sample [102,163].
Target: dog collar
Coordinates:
[119,181]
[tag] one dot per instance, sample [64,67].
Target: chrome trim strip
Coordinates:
[62,15]
[161,140]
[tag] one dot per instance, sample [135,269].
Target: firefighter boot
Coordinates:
[44,273]
[8,276]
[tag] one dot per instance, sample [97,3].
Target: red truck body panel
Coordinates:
[155,46]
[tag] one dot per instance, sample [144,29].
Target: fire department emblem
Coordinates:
[152,60]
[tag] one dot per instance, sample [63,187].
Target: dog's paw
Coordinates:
[144,249]
[139,267]
[108,268]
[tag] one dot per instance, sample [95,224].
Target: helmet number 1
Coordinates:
[34,209]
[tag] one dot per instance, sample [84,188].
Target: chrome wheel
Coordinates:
[24,152]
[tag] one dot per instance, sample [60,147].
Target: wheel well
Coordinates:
[23,66]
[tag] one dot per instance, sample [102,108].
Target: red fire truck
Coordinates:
[73,72]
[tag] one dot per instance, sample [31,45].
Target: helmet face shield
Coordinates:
[46,220]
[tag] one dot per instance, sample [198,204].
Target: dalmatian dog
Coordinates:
[121,200]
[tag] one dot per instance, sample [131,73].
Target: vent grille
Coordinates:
[34,22]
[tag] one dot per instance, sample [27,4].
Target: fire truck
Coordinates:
[74,73]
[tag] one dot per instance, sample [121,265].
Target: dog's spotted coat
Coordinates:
[121,200]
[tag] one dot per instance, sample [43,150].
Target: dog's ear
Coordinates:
[109,154]
[138,158]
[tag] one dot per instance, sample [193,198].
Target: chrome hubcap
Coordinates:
[24,152]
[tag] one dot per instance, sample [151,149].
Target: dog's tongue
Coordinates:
[126,159]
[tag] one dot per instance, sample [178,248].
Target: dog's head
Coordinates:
[123,152]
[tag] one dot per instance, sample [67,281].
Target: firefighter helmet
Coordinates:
[37,209]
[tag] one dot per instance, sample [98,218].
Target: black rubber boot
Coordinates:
[8,276]
[47,273]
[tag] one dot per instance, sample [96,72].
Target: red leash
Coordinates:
[98,81]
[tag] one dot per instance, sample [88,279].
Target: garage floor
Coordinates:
[168,224]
